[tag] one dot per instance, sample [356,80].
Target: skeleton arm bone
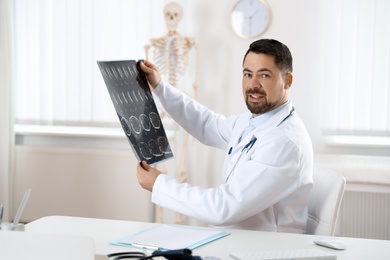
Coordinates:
[147,47]
[196,81]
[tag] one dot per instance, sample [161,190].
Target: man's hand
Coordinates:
[147,175]
[151,73]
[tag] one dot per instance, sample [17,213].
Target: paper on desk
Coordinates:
[172,237]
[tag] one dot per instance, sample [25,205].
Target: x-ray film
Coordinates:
[136,110]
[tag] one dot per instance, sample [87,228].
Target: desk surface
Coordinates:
[17,245]
[103,231]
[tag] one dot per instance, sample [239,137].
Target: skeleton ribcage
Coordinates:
[171,56]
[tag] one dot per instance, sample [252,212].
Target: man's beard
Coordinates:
[259,108]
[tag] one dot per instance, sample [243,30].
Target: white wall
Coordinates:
[294,23]
[93,183]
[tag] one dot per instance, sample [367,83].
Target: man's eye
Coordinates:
[264,76]
[247,75]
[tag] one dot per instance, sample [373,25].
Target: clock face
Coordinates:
[250,18]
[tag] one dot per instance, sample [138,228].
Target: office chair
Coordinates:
[324,202]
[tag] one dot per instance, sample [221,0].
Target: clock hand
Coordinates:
[250,24]
[250,16]
[254,14]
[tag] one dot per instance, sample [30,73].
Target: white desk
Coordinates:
[17,245]
[103,231]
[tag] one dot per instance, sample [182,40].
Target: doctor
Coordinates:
[267,173]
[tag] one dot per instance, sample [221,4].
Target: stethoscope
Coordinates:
[246,148]
[249,146]
[179,254]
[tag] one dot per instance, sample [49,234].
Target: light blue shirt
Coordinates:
[261,119]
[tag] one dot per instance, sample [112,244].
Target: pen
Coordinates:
[21,207]
[146,246]
[249,145]
[253,141]
[1,214]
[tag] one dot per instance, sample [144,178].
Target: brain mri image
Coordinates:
[145,122]
[145,151]
[125,126]
[136,110]
[155,120]
[154,148]
[163,144]
[135,124]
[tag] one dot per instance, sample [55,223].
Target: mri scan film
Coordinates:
[136,110]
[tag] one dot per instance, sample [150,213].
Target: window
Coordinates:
[57,44]
[355,60]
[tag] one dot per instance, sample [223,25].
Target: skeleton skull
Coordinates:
[173,13]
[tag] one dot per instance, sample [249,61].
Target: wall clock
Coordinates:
[250,18]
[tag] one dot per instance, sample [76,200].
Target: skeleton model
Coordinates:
[170,54]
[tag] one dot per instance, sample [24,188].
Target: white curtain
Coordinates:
[355,60]
[6,111]
[57,45]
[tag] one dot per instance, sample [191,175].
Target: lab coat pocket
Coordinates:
[236,160]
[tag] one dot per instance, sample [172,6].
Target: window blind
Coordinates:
[57,44]
[354,56]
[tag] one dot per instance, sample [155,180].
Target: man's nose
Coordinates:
[253,82]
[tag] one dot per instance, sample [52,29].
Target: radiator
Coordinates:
[365,215]
[365,209]
[79,182]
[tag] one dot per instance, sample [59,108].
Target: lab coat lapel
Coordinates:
[241,126]
[232,159]
[271,123]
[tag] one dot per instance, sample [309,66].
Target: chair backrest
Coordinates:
[325,201]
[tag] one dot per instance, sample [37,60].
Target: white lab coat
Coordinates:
[263,188]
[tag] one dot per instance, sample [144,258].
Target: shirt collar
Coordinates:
[261,119]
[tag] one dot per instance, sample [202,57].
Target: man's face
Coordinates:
[263,84]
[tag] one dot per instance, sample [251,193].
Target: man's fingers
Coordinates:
[147,66]
[144,67]
[145,165]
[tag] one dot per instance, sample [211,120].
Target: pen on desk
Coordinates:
[1,213]
[146,246]
[21,207]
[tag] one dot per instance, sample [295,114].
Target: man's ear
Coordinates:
[288,80]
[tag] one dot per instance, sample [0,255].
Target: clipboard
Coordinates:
[170,237]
